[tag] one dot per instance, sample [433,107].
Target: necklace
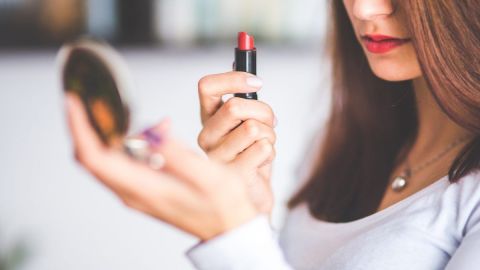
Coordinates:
[400,182]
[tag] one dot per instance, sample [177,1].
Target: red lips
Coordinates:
[382,43]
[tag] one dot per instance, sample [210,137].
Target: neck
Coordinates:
[435,128]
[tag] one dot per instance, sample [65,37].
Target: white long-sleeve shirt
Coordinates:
[437,227]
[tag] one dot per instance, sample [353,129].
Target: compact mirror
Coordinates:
[98,75]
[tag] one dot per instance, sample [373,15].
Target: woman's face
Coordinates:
[394,58]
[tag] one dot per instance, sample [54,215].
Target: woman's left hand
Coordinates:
[190,192]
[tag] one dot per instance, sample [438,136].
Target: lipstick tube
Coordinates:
[246,59]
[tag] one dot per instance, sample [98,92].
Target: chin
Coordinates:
[400,64]
[395,72]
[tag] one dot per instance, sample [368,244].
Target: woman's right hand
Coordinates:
[239,132]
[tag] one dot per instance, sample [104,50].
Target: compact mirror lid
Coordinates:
[98,75]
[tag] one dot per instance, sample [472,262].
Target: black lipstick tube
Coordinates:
[246,60]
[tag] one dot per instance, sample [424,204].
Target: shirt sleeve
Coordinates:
[466,257]
[251,246]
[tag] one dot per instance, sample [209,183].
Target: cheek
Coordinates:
[397,65]
[348,4]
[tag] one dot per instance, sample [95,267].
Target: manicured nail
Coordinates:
[152,137]
[254,81]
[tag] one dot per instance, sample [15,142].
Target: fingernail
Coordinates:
[254,81]
[152,137]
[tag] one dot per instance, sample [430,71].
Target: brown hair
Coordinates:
[373,122]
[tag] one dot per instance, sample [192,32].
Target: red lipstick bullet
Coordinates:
[245,41]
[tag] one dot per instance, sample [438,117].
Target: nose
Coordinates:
[372,9]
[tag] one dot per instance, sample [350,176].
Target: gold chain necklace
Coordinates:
[400,182]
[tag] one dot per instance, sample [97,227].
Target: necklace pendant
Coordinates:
[399,183]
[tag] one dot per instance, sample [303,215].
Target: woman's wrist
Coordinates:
[236,217]
[249,246]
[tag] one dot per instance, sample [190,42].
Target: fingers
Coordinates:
[183,163]
[240,139]
[265,172]
[163,127]
[229,116]
[87,145]
[132,181]
[260,153]
[211,88]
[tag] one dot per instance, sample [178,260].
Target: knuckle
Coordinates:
[269,113]
[203,84]
[265,147]
[251,128]
[233,106]
[201,139]
[272,136]
[268,108]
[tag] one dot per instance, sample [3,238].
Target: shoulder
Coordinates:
[466,255]
[466,189]
[466,195]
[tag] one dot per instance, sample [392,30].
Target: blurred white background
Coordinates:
[54,215]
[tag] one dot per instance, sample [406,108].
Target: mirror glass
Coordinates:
[95,72]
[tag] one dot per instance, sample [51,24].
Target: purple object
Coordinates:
[152,137]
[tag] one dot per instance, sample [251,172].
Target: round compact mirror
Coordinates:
[98,75]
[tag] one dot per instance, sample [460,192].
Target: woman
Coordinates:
[396,182]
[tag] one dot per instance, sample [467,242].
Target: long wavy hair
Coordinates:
[373,121]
